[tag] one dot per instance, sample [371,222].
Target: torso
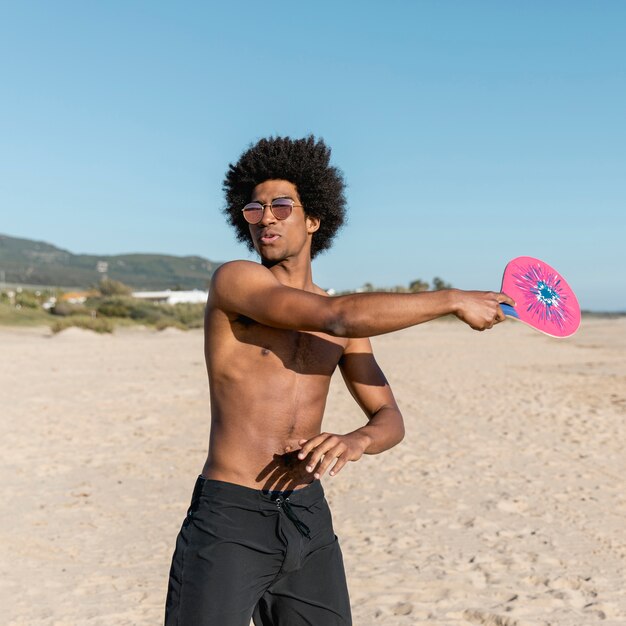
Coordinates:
[268,391]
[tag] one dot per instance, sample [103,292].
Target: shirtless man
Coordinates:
[258,540]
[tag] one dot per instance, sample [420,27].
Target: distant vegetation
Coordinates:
[415,286]
[24,308]
[107,305]
[109,287]
[100,325]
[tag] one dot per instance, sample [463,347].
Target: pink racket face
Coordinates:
[543,298]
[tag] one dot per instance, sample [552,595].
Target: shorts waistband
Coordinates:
[304,496]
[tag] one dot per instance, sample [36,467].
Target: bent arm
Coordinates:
[369,387]
[385,427]
[249,289]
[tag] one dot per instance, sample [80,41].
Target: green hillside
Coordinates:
[28,262]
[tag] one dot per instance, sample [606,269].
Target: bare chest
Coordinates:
[300,351]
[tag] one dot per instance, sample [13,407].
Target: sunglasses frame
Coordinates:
[289,200]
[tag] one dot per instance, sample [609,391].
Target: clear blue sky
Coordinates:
[469,132]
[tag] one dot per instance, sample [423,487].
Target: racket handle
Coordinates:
[507,309]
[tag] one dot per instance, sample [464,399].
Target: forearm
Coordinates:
[384,430]
[370,314]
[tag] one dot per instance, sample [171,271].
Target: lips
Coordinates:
[268,237]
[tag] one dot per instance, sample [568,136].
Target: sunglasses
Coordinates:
[280,207]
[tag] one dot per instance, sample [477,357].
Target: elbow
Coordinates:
[401,433]
[336,327]
[336,323]
[342,321]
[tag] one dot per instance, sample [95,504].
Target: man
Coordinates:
[258,539]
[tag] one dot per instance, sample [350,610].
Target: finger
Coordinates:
[311,443]
[320,451]
[503,298]
[329,458]
[341,461]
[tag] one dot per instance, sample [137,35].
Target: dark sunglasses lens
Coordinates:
[253,213]
[281,209]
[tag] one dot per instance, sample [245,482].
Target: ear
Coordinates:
[312,224]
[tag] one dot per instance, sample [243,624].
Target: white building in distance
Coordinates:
[172,297]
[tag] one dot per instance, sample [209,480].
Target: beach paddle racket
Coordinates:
[543,299]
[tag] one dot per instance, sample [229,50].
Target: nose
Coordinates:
[268,216]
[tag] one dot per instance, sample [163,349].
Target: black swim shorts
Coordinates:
[271,556]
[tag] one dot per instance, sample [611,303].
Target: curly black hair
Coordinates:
[303,162]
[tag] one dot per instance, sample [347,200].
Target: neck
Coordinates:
[292,272]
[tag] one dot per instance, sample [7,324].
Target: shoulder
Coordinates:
[235,272]
[233,268]
[236,283]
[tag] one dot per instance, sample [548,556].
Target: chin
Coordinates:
[271,257]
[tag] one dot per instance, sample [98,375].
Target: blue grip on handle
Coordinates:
[507,309]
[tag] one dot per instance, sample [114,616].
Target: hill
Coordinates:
[28,262]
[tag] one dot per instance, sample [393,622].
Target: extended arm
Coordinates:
[249,289]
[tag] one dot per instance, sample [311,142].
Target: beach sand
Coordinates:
[505,504]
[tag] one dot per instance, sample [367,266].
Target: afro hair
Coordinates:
[303,162]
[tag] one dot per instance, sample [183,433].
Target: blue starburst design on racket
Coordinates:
[544,297]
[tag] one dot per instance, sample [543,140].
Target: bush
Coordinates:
[108,287]
[184,315]
[65,309]
[114,307]
[164,323]
[439,284]
[137,310]
[189,314]
[27,299]
[418,285]
[148,313]
[98,325]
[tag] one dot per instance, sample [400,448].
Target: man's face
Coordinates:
[276,239]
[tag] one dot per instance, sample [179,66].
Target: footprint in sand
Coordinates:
[486,618]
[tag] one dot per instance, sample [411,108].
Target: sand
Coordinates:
[505,504]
